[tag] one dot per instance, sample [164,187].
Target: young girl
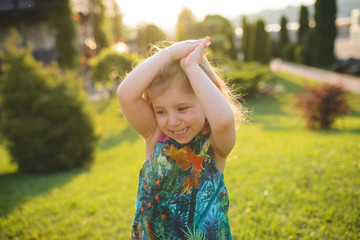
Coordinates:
[175,100]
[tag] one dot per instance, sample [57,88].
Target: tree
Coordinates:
[284,35]
[261,48]
[256,42]
[222,34]
[303,49]
[117,22]
[110,66]
[186,25]
[250,30]
[60,18]
[245,38]
[325,32]
[148,34]
[304,23]
[101,38]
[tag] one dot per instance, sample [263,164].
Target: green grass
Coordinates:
[285,182]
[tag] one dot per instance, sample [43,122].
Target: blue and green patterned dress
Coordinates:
[181,193]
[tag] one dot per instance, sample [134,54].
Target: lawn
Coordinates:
[285,182]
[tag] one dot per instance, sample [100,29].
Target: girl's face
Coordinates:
[178,113]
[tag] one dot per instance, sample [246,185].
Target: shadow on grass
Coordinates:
[128,134]
[17,188]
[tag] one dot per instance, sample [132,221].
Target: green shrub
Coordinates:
[44,123]
[110,66]
[289,52]
[245,78]
[322,105]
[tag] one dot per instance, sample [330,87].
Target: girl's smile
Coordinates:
[178,113]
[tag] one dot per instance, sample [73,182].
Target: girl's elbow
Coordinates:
[225,123]
[121,93]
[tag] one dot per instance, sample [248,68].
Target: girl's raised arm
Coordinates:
[136,110]
[216,108]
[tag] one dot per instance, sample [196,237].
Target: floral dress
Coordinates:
[181,193]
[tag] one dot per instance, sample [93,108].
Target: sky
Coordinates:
[164,13]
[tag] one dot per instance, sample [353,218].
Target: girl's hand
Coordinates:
[197,54]
[182,49]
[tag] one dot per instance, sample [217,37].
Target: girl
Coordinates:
[182,108]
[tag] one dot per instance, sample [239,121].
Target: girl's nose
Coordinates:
[173,120]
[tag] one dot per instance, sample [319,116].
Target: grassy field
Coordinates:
[285,182]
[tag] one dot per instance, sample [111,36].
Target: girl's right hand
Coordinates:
[182,49]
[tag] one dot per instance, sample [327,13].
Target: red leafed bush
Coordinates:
[321,105]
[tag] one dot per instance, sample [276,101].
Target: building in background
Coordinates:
[29,19]
[355,27]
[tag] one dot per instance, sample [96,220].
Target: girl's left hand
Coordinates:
[197,54]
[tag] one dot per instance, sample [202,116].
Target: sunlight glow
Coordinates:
[164,13]
[121,47]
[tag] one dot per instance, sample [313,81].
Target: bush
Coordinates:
[289,52]
[110,66]
[322,105]
[245,78]
[43,120]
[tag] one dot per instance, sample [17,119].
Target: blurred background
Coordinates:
[69,161]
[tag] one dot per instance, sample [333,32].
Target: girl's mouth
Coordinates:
[181,132]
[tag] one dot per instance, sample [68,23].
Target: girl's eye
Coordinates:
[182,108]
[160,112]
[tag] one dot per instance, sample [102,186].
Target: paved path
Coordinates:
[350,83]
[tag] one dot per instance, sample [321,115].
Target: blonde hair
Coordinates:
[172,74]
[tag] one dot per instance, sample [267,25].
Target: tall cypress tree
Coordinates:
[325,32]
[251,42]
[284,35]
[245,38]
[261,50]
[304,23]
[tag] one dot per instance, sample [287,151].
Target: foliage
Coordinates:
[303,23]
[245,78]
[245,38]
[116,22]
[186,26]
[284,36]
[44,122]
[325,32]
[100,35]
[262,44]
[304,50]
[148,34]
[322,105]
[222,34]
[288,52]
[60,16]
[110,65]
[256,42]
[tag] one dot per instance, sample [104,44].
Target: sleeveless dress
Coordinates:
[181,193]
